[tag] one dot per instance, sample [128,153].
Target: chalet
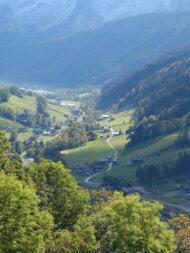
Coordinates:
[137,160]
[106,116]
[105,129]
[71,105]
[46,133]
[77,113]
[38,131]
[74,118]
[105,160]
[99,167]
[116,134]
[80,166]
[131,134]
[53,103]
[84,169]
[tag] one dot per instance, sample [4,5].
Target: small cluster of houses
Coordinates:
[90,169]
[37,131]
[58,101]
[68,106]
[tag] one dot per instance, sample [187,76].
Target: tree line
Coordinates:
[165,170]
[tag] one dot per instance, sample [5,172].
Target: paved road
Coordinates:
[87,180]
[180,207]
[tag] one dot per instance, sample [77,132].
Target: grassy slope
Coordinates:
[5,123]
[148,149]
[122,120]
[99,148]
[29,103]
[162,145]
[21,104]
[89,153]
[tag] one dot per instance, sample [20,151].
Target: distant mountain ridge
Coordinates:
[38,15]
[91,57]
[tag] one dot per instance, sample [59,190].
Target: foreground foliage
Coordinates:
[42,209]
[23,227]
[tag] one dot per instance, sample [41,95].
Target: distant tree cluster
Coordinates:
[183,139]
[8,113]
[165,170]
[148,129]
[14,90]
[42,104]
[115,182]
[4,95]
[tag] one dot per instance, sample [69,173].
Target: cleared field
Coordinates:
[161,145]
[122,121]
[58,112]
[6,123]
[45,138]
[25,136]
[89,153]
[20,104]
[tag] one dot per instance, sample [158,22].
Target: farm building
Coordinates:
[106,116]
[137,160]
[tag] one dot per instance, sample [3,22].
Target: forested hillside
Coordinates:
[160,92]
[160,86]
[117,48]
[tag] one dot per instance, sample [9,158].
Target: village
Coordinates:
[98,166]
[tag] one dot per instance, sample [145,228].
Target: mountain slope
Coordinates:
[91,57]
[161,89]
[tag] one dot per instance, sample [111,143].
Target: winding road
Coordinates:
[86,181]
[180,207]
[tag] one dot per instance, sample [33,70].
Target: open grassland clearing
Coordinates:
[162,146]
[19,105]
[6,123]
[122,121]
[58,112]
[89,153]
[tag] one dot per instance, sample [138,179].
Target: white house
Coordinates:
[71,105]
[116,134]
[106,116]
